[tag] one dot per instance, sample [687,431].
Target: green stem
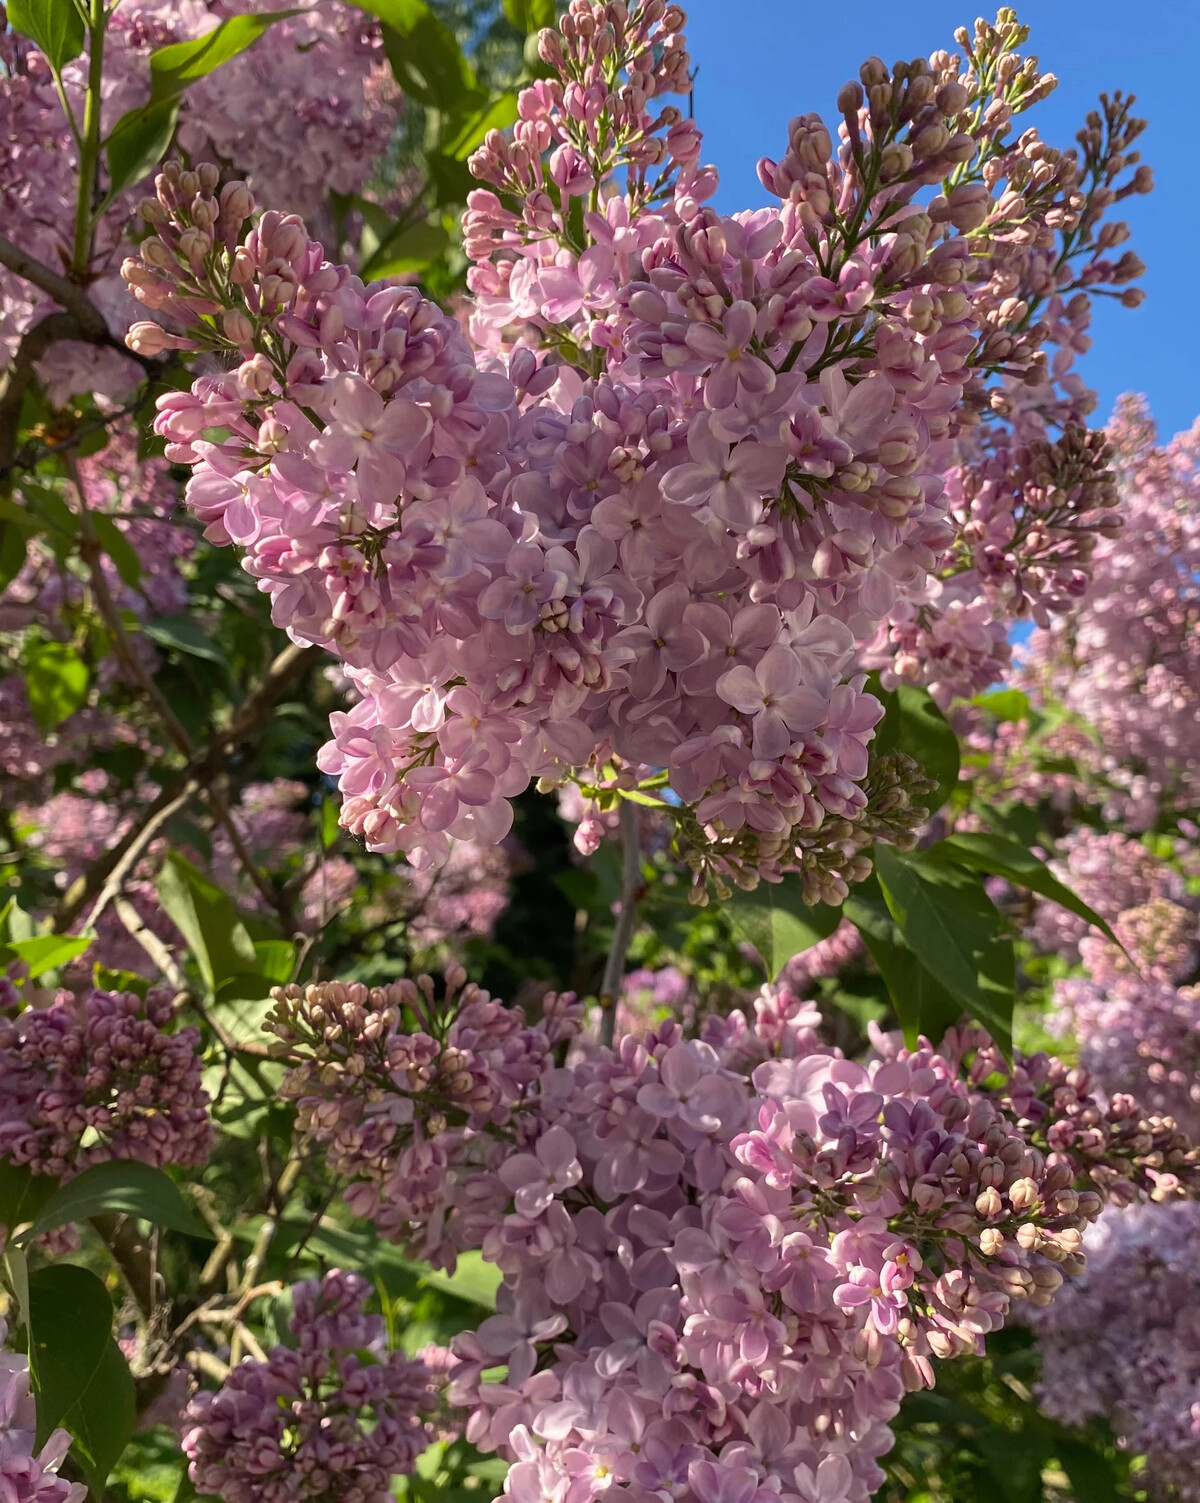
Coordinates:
[89,151]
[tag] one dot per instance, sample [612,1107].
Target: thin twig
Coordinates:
[132,850]
[631,880]
[66,293]
[151,943]
[288,666]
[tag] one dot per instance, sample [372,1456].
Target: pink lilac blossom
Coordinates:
[1126,661]
[1124,1343]
[331,1419]
[27,1474]
[1112,873]
[756,1244]
[661,540]
[1138,1036]
[100,1077]
[326,60]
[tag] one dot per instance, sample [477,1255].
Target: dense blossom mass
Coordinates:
[757,1244]
[337,1414]
[98,1077]
[704,460]
[656,520]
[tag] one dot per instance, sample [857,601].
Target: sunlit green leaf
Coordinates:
[55,25]
[56,681]
[139,141]
[47,952]
[207,920]
[173,68]
[776,920]
[121,1185]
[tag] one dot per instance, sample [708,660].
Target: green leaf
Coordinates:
[173,68]
[956,932]
[1005,704]
[426,60]
[776,920]
[496,114]
[47,952]
[22,1194]
[56,680]
[921,1003]
[207,920]
[181,634]
[102,1419]
[124,1186]
[411,250]
[1092,1475]
[70,1321]
[1001,857]
[330,823]
[530,15]
[55,25]
[276,959]
[473,1280]
[119,549]
[14,546]
[139,141]
[912,723]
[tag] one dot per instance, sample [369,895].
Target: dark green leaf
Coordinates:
[912,723]
[119,549]
[208,922]
[14,545]
[56,680]
[921,1003]
[426,60]
[120,1185]
[776,920]
[102,1419]
[530,15]
[55,25]
[1001,857]
[1092,1475]
[46,952]
[181,634]
[956,932]
[70,1318]
[173,68]
[139,141]
[22,1194]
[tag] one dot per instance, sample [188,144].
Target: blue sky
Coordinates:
[762,61]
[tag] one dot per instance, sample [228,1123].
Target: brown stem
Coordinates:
[134,1258]
[66,293]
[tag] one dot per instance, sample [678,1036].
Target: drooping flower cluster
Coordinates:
[756,1244]
[101,1077]
[331,1419]
[1124,1341]
[27,1474]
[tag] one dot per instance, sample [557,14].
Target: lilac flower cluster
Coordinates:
[327,60]
[331,1419]
[1113,873]
[359,1075]
[28,1475]
[1124,1343]
[101,1077]
[659,534]
[756,1244]
[1126,661]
